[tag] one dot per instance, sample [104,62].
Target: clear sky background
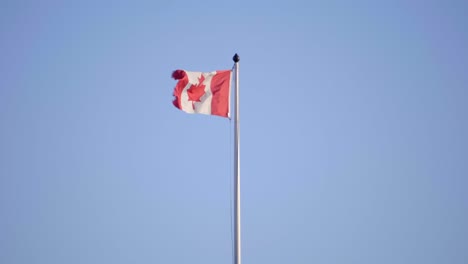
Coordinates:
[354,127]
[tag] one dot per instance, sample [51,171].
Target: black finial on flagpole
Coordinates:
[236,58]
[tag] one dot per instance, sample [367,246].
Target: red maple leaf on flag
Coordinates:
[196,91]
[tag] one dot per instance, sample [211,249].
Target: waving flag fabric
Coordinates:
[203,92]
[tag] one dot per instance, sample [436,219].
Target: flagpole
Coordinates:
[237,215]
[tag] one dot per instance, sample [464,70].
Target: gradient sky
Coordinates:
[354,145]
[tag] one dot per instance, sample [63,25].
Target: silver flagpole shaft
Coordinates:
[237,213]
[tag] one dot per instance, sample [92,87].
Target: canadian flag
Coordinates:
[203,92]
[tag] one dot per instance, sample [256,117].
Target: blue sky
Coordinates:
[353,132]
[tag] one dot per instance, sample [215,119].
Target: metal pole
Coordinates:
[237,213]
